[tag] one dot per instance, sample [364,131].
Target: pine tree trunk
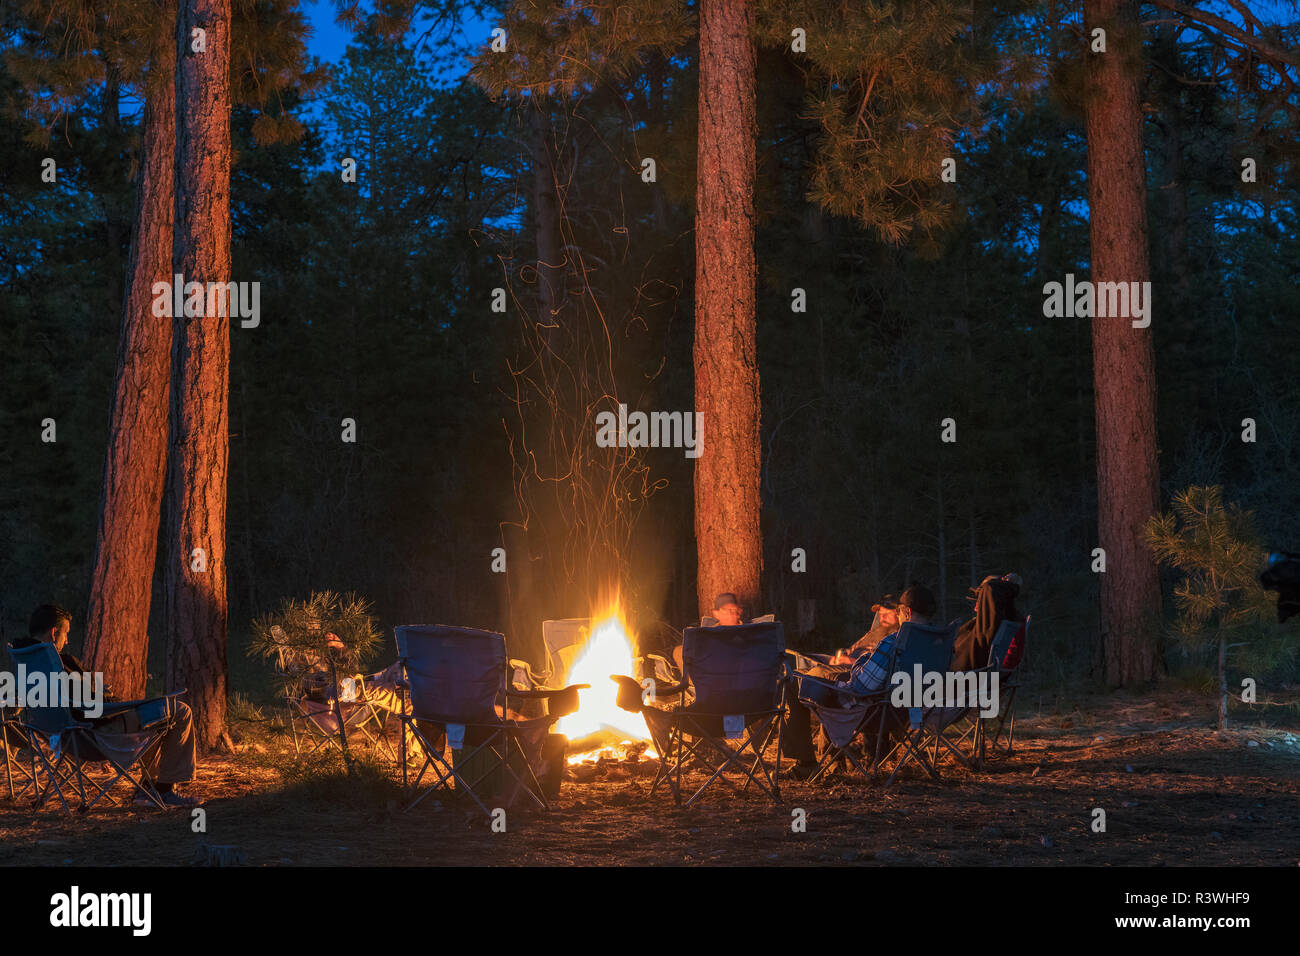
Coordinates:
[196,519]
[1223,682]
[126,545]
[1123,362]
[727,509]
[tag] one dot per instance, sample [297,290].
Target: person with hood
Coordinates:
[995,602]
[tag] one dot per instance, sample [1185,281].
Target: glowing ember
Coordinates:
[608,651]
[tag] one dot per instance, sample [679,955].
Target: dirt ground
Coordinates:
[1174,792]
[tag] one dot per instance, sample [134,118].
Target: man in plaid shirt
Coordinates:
[871,673]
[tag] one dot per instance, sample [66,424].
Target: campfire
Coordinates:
[599,728]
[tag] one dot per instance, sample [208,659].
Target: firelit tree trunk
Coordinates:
[126,545]
[196,516]
[727,531]
[1123,363]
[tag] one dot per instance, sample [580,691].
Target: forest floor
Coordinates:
[1174,792]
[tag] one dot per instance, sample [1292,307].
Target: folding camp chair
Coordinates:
[847,717]
[1008,684]
[316,714]
[664,670]
[456,681]
[930,651]
[564,640]
[65,748]
[737,674]
[963,734]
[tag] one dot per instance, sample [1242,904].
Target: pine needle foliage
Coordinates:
[1219,599]
[301,630]
[559,47]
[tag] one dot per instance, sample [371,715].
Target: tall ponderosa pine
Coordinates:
[1128,475]
[75,54]
[117,622]
[196,600]
[728,531]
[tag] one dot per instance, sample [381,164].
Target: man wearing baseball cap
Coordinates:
[886,622]
[868,675]
[726,611]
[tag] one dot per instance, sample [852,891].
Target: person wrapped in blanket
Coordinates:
[995,602]
[867,675]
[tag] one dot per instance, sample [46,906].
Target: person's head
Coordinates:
[917,603]
[887,611]
[49,622]
[726,609]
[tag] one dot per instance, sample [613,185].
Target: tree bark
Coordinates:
[126,544]
[727,506]
[196,596]
[1123,361]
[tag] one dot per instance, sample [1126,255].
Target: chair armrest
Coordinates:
[631,694]
[515,665]
[559,702]
[118,708]
[545,691]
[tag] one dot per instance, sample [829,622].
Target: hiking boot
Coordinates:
[170,799]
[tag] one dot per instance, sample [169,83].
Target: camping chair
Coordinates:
[932,655]
[316,714]
[846,716]
[562,641]
[456,680]
[67,747]
[963,735]
[738,678]
[1008,684]
[664,669]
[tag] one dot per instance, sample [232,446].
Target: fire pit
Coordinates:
[599,728]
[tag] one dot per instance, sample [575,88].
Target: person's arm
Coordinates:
[863,645]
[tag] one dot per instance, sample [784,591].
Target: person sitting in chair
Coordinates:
[173,761]
[886,622]
[995,602]
[727,612]
[868,675]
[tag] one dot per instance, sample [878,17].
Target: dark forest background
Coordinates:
[376,305]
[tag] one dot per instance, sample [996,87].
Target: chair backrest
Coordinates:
[44,658]
[455,674]
[925,644]
[564,640]
[1002,641]
[735,670]
[1018,645]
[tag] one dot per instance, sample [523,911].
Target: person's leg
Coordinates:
[797,734]
[173,761]
[381,689]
